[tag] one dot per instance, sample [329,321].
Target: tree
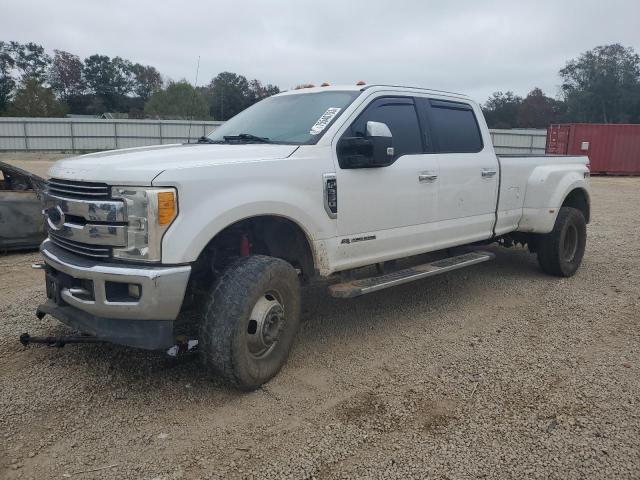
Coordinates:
[257,91]
[65,75]
[501,110]
[123,76]
[230,94]
[536,110]
[178,101]
[30,60]
[603,85]
[98,74]
[34,100]
[7,84]
[147,80]
[100,84]
[108,79]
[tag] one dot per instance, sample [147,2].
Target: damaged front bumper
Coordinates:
[96,298]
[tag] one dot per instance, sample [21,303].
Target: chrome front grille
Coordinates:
[93,251]
[83,219]
[69,188]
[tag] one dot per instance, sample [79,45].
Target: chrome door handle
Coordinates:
[488,172]
[427,177]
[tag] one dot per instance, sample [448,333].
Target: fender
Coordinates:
[546,190]
[212,204]
[243,212]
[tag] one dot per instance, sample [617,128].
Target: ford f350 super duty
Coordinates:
[211,242]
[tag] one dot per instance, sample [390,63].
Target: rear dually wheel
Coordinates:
[560,252]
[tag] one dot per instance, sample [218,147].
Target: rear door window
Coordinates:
[453,125]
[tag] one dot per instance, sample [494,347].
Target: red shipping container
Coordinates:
[612,148]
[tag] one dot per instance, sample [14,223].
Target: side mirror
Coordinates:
[373,150]
[378,129]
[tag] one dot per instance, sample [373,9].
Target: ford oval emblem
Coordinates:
[55,218]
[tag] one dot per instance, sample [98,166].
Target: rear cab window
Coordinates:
[453,127]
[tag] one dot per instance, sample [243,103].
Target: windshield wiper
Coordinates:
[247,137]
[210,140]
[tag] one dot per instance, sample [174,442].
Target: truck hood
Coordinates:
[139,166]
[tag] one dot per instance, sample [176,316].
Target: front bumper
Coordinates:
[162,290]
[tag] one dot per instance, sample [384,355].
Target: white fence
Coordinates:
[80,134]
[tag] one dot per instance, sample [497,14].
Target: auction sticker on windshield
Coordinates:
[324,120]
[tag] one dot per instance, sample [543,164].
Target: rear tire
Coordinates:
[250,319]
[560,252]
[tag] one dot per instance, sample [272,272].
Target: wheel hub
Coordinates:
[570,243]
[265,324]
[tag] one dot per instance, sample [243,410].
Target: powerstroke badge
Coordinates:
[324,120]
[348,241]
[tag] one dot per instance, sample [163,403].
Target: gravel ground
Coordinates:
[497,371]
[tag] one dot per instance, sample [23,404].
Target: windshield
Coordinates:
[294,119]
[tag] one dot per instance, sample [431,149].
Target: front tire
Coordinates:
[250,319]
[560,252]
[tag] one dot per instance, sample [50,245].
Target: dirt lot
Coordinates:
[492,372]
[37,163]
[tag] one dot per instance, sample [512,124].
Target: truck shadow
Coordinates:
[327,316]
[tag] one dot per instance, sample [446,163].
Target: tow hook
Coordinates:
[26,339]
[183,347]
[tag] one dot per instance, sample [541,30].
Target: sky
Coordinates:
[473,47]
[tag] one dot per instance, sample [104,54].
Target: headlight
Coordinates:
[150,212]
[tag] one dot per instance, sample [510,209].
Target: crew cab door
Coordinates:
[469,170]
[390,208]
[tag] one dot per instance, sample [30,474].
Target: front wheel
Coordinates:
[560,252]
[250,319]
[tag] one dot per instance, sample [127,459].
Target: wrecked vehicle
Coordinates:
[22,225]
[212,241]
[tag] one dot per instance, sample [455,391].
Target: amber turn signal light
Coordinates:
[166,207]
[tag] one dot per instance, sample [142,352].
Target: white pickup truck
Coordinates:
[212,241]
